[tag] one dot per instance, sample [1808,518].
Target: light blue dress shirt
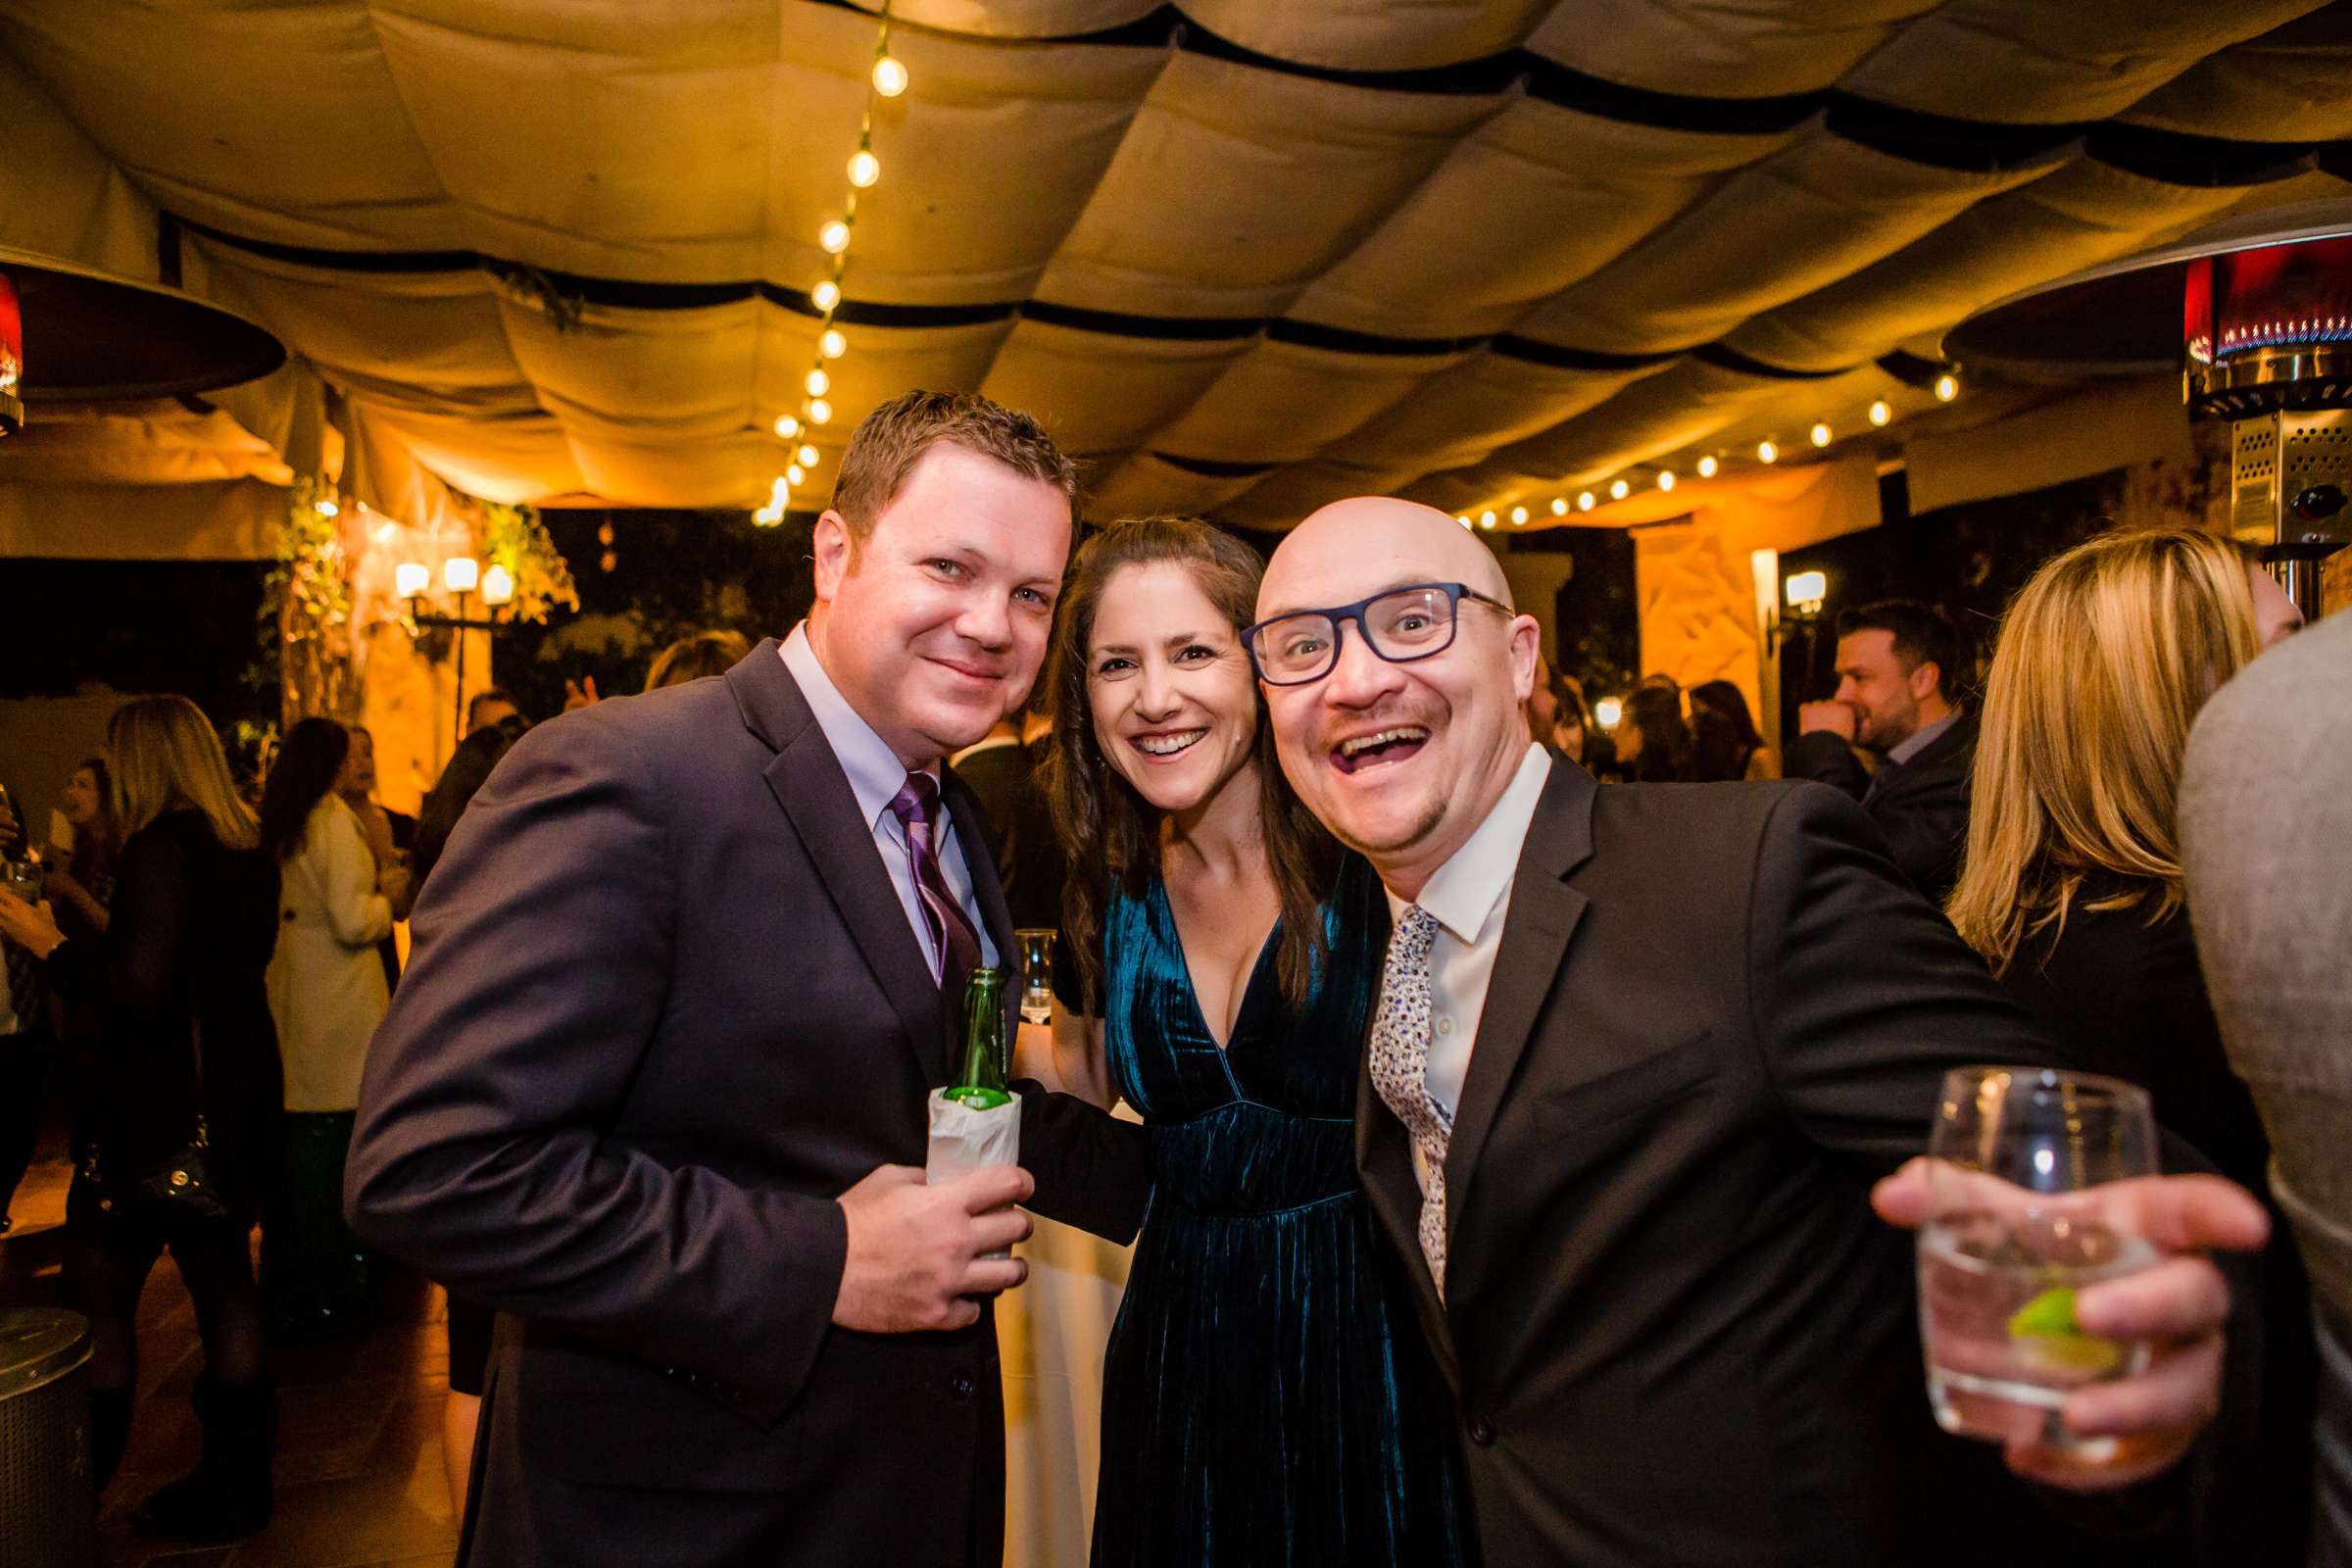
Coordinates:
[876,775]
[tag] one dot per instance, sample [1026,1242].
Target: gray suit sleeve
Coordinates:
[542,964]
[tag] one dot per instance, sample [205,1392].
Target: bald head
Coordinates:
[1401,754]
[1381,541]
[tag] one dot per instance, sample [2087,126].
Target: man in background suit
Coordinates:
[1003,771]
[655,1077]
[2266,832]
[1898,662]
[1639,1051]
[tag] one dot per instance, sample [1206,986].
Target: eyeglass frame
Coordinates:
[1341,614]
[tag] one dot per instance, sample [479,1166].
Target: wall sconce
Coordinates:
[1806,592]
[497,588]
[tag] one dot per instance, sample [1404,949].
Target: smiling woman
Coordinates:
[1263,1383]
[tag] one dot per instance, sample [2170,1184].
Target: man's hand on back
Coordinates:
[917,1251]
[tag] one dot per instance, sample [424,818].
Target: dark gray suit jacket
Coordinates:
[664,1005]
[1678,1332]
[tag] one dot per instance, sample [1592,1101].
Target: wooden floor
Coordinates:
[359,1462]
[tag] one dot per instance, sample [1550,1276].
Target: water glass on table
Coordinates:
[1037,973]
[2013,1231]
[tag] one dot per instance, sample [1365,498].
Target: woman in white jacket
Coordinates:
[328,994]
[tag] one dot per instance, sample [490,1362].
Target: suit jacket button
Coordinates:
[1481,1431]
[960,1386]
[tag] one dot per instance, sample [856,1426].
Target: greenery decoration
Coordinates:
[306,607]
[515,538]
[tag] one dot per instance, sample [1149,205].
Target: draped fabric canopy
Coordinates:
[1243,256]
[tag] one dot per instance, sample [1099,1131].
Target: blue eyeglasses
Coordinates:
[1400,624]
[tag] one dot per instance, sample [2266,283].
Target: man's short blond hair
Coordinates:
[890,441]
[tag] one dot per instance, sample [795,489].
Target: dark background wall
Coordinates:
[186,626]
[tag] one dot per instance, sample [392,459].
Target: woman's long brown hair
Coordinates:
[1109,833]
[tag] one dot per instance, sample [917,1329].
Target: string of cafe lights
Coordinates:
[886,78]
[1768,452]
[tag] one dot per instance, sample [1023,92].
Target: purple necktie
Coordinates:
[916,807]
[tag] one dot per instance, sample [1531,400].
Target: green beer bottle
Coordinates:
[980,1081]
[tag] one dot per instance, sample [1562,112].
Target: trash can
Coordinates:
[47,1515]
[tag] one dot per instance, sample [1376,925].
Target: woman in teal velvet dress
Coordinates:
[1267,1397]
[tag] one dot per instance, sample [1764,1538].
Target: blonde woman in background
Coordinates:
[2071,889]
[179,970]
[327,993]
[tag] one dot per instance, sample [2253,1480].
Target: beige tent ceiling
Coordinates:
[1244,256]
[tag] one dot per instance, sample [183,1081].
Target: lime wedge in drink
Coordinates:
[2046,1333]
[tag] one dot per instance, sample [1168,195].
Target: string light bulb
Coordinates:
[819,411]
[1620,490]
[786,428]
[1766,451]
[834,236]
[833,344]
[793,476]
[1947,387]
[890,75]
[808,457]
[1518,516]
[1881,412]
[1819,435]
[864,169]
[825,295]
[1559,506]
[1464,521]
[818,383]
[1708,467]
[1665,478]
[1585,501]
[1486,520]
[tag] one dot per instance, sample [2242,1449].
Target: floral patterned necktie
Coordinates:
[1401,1069]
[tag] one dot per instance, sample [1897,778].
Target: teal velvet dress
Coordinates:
[1267,1397]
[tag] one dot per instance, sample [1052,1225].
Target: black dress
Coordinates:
[1266,1396]
[188,939]
[2127,998]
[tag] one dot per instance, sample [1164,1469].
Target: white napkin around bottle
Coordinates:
[965,1139]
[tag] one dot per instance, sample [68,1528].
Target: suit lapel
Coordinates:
[1543,917]
[808,782]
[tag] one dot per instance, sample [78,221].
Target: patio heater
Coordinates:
[69,332]
[2255,313]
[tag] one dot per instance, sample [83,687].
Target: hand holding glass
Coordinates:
[2012,1233]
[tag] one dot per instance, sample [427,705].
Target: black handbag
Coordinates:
[175,1192]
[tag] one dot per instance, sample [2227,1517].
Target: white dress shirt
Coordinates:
[1470,897]
[876,775]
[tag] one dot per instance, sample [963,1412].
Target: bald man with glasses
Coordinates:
[1640,1055]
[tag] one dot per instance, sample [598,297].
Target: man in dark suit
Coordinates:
[657,1075]
[1896,665]
[1639,1055]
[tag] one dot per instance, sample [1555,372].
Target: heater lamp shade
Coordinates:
[2126,317]
[87,334]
